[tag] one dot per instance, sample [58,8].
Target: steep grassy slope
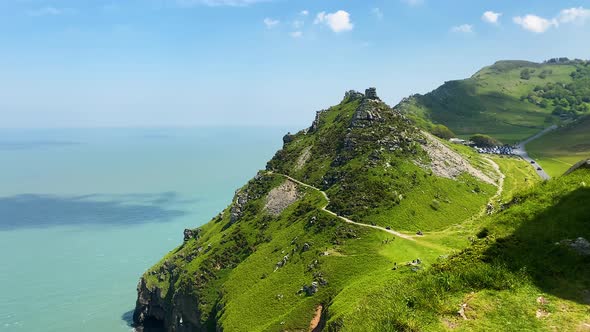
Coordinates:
[510,100]
[520,274]
[561,149]
[271,259]
[371,170]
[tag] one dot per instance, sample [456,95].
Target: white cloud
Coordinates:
[535,23]
[51,11]
[296,34]
[491,17]
[298,24]
[304,12]
[413,2]
[463,28]
[377,12]
[338,21]
[218,3]
[270,23]
[574,15]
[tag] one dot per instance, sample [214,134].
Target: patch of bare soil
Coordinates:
[281,197]
[448,163]
[316,320]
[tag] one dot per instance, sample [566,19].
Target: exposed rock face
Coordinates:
[367,112]
[288,138]
[316,122]
[281,197]
[237,208]
[353,95]
[371,93]
[191,234]
[173,313]
[448,163]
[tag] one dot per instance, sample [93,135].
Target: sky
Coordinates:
[161,63]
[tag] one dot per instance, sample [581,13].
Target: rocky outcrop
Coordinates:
[352,95]
[316,121]
[371,93]
[191,234]
[447,163]
[309,290]
[367,112]
[288,138]
[237,208]
[172,313]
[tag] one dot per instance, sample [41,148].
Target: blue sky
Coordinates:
[86,63]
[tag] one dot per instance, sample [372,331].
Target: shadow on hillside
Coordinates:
[554,268]
[41,211]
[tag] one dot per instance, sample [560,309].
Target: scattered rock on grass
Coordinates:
[579,245]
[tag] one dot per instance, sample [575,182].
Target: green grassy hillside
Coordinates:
[271,259]
[510,100]
[363,222]
[561,149]
[520,274]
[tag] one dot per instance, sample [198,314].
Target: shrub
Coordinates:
[484,140]
[484,232]
[442,131]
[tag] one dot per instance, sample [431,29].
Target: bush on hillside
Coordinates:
[484,141]
[525,74]
[442,131]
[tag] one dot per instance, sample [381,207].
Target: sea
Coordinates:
[84,212]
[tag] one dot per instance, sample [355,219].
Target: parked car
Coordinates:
[532,161]
[388,228]
[539,169]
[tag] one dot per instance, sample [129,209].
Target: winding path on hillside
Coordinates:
[521,151]
[325,208]
[497,195]
[500,184]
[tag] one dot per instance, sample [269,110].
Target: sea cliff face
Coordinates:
[154,313]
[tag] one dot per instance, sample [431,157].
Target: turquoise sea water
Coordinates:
[84,212]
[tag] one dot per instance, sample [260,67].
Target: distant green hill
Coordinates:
[510,100]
